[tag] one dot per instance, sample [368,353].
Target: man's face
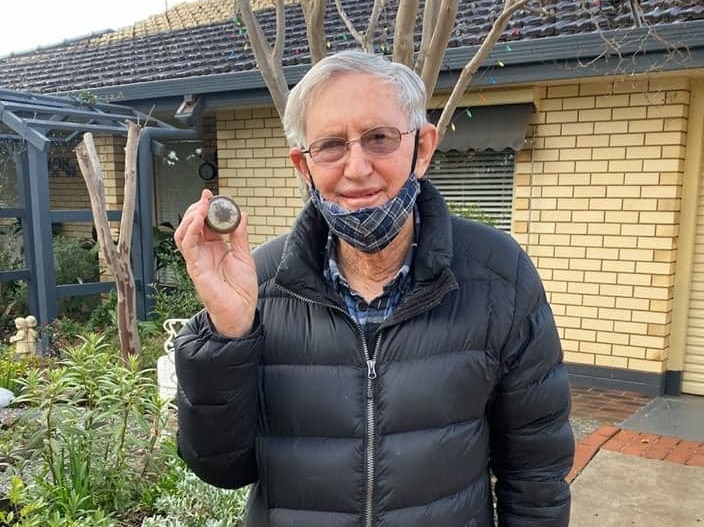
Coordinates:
[347,107]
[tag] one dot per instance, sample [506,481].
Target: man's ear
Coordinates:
[427,142]
[299,161]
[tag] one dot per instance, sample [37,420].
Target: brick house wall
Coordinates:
[597,202]
[255,170]
[69,192]
[596,205]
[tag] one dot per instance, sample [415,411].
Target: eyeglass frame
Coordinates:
[348,142]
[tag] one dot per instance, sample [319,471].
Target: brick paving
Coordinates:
[595,415]
[594,407]
[606,406]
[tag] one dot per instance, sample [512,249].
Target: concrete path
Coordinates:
[623,490]
[681,417]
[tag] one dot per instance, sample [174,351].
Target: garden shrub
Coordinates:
[75,262]
[13,295]
[194,503]
[471,212]
[87,443]
[13,370]
[173,292]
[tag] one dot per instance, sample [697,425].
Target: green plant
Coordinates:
[30,515]
[13,370]
[13,295]
[91,433]
[470,211]
[103,317]
[193,503]
[173,292]
[76,261]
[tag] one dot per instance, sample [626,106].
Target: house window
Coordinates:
[479,182]
[473,166]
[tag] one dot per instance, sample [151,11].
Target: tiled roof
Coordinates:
[202,38]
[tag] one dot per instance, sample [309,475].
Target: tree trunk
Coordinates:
[117,258]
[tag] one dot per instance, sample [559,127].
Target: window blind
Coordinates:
[477,180]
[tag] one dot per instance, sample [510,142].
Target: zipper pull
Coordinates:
[371,369]
[371,375]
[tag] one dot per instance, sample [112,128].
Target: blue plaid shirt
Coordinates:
[370,315]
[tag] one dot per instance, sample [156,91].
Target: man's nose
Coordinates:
[357,161]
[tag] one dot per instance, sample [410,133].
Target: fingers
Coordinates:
[193,233]
[189,230]
[191,226]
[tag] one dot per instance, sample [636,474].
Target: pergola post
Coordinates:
[42,260]
[23,191]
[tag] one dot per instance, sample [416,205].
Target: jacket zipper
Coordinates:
[371,427]
[371,415]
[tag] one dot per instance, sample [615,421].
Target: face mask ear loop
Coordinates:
[415,152]
[310,176]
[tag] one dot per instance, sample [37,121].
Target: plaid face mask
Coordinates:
[372,228]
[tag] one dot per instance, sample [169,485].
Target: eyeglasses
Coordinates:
[376,142]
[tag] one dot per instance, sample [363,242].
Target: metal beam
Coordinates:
[42,264]
[13,276]
[143,236]
[35,138]
[12,213]
[69,216]
[84,289]
[23,196]
[80,127]
[70,112]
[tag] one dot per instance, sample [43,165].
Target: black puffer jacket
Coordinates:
[466,376]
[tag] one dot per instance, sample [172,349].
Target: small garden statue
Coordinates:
[25,340]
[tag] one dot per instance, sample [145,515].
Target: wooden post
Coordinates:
[116,256]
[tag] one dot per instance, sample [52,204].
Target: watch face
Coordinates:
[207,171]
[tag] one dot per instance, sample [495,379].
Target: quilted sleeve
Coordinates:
[217,402]
[531,439]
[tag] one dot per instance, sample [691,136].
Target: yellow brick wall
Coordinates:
[254,168]
[597,201]
[67,190]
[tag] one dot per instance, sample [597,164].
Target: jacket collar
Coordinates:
[302,261]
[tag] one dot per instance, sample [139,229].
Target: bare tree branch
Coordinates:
[314,14]
[430,16]
[366,40]
[130,189]
[350,26]
[371,27]
[438,43]
[471,68]
[404,33]
[268,58]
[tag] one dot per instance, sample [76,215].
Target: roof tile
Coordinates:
[203,37]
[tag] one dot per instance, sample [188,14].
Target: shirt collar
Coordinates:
[335,277]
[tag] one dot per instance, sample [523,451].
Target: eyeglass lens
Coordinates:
[378,141]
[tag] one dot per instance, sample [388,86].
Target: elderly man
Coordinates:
[377,364]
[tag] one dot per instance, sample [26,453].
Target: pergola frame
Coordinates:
[39,121]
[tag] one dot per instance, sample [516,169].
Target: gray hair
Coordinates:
[411,94]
